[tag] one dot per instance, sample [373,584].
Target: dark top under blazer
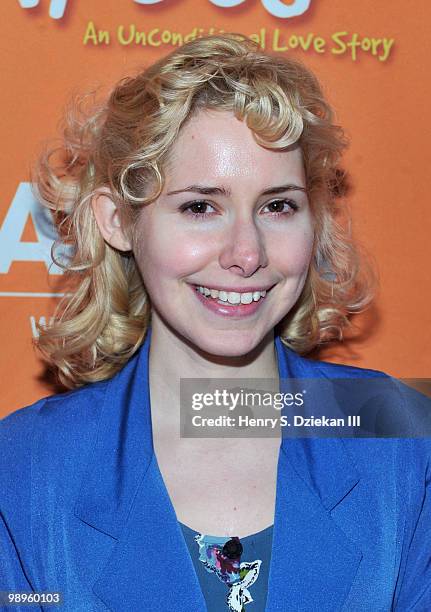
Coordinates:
[84,510]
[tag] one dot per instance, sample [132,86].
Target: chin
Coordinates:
[227,343]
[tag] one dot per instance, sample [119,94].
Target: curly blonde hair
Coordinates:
[122,145]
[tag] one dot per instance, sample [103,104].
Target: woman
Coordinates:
[200,203]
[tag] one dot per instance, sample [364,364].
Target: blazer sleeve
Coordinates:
[12,574]
[16,434]
[414,592]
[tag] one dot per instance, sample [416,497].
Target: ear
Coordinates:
[109,222]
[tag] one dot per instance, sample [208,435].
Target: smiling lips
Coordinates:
[231,303]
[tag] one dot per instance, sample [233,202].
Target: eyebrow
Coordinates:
[227,193]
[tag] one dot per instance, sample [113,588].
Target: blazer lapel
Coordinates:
[150,568]
[313,565]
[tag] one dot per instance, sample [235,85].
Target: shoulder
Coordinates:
[55,436]
[56,409]
[59,428]
[397,417]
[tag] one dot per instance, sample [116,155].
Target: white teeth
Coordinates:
[247,298]
[232,297]
[222,295]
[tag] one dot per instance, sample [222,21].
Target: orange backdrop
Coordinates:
[373,59]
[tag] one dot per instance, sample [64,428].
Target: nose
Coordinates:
[243,249]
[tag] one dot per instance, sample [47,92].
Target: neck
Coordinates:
[173,357]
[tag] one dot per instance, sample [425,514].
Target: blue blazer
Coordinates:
[84,509]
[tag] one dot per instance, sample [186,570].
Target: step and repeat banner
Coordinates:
[373,61]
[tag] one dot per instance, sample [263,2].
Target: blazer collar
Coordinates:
[123,496]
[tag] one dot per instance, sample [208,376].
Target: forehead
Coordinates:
[215,145]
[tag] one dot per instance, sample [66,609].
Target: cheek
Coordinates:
[163,252]
[292,254]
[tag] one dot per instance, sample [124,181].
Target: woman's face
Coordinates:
[234,220]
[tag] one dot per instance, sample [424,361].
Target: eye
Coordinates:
[197,210]
[282,207]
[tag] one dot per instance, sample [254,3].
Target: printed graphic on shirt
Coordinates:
[236,575]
